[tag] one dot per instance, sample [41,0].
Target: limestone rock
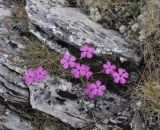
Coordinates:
[69,104]
[12,88]
[50,20]
[10,120]
[137,121]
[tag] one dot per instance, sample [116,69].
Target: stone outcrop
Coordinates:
[50,20]
[56,97]
[58,24]
[66,102]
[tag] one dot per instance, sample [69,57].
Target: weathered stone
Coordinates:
[136,123]
[49,21]
[10,120]
[57,97]
[69,104]
[4,12]
[12,88]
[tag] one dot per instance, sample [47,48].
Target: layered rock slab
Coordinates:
[58,19]
[12,88]
[65,101]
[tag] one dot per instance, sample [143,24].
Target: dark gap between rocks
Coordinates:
[65,94]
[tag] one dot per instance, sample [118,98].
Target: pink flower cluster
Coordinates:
[68,61]
[87,51]
[120,76]
[79,70]
[32,76]
[95,89]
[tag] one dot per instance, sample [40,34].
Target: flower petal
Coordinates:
[66,56]
[83,54]
[72,58]
[91,86]
[88,74]
[108,63]
[125,75]
[92,49]
[103,88]
[62,61]
[82,72]
[76,74]
[92,94]
[86,90]
[84,48]
[85,67]
[105,66]
[78,66]
[113,67]
[45,72]
[107,71]
[122,81]
[72,64]
[66,65]
[115,74]
[89,55]
[39,69]
[116,80]
[99,92]
[120,71]
[98,82]
[73,71]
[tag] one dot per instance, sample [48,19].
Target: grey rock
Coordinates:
[4,12]
[12,88]
[67,106]
[10,120]
[49,21]
[13,121]
[107,127]
[137,121]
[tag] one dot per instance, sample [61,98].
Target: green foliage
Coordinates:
[37,54]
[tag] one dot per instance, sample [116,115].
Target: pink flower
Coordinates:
[85,71]
[88,74]
[30,77]
[120,76]
[76,71]
[41,73]
[109,68]
[87,51]
[81,70]
[95,89]
[68,61]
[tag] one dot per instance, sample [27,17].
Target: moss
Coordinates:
[37,54]
[18,20]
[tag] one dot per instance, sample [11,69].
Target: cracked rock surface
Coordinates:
[57,97]
[58,19]
[64,101]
